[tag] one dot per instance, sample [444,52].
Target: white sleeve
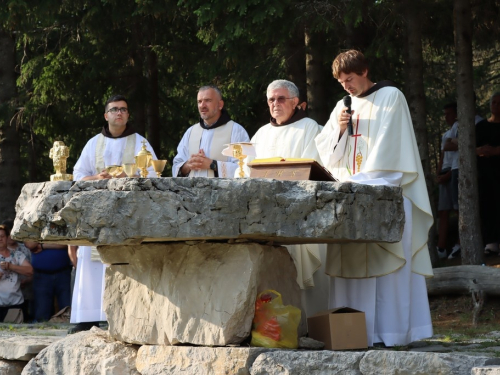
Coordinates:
[85,166]
[377,178]
[182,153]
[330,145]
[230,168]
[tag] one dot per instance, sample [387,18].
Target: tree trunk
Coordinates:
[415,93]
[10,158]
[464,280]
[316,90]
[468,220]
[138,89]
[154,103]
[295,62]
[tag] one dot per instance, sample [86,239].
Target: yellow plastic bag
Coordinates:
[274,325]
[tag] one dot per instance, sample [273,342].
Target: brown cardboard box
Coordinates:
[340,328]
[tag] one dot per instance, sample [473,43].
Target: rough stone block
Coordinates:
[411,363]
[486,370]
[11,367]
[23,348]
[300,363]
[133,210]
[172,360]
[91,352]
[197,293]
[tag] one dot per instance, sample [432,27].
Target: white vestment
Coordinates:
[386,281]
[99,151]
[296,140]
[225,165]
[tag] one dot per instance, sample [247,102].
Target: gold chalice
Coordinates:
[114,170]
[159,166]
[130,169]
[238,154]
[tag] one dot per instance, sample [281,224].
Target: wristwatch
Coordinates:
[213,165]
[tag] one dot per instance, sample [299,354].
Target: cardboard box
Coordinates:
[340,328]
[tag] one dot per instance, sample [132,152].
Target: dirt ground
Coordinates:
[453,313]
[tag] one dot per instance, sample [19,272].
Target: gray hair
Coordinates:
[213,87]
[293,91]
[492,96]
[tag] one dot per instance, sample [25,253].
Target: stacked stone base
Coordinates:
[95,352]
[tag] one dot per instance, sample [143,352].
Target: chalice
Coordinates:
[143,160]
[238,154]
[114,170]
[130,169]
[159,166]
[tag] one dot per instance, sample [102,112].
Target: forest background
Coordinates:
[61,59]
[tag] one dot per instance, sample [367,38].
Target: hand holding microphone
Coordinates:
[347,103]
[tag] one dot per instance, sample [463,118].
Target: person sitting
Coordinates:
[12,265]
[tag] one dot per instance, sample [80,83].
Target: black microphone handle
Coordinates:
[350,130]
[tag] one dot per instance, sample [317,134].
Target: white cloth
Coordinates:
[225,168]
[448,156]
[10,281]
[88,291]
[383,141]
[296,140]
[383,152]
[396,305]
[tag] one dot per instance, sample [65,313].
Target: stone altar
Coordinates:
[189,255]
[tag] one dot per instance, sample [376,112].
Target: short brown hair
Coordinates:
[5,229]
[351,61]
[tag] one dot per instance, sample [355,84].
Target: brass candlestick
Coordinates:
[238,154]
[159,166]
[143,160]
[59,153]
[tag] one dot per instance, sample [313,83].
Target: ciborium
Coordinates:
[130,169]
[59,153]
[143,160]
[114,170]
[159,166]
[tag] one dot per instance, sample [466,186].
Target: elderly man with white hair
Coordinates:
[290,134]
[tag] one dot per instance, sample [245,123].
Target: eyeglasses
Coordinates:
[279,99]
[116,110]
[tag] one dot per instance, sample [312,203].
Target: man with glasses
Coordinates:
[117,144]
[290,134]
[199,153]
[385,280]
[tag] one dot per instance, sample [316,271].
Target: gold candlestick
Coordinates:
[143,160]
[159,166]
[238,154]
[59,153]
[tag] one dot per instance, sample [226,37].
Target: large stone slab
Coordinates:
[22,348]
[91,352]
[172,360]
[128,210]
[197,293]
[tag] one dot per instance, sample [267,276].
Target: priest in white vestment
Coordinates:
[290,134]
[386,281]
[199,153]
[117,144]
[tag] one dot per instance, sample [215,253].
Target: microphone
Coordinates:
[347,103]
